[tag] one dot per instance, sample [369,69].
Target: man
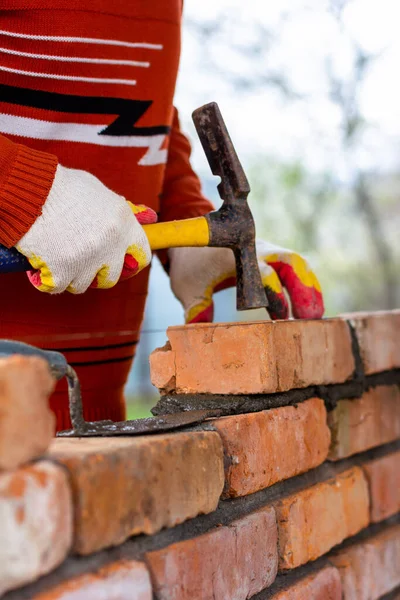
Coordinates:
[87,124]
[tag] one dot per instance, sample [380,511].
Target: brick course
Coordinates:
[127,486]
[359,424]
[322,585]
[383,475]
[314,520]
[378,339]
[26,421]
[370,569]
[124,580]
[266,447]
[232,562]
[253,357]
[35,523]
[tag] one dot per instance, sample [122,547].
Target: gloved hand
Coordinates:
[196,273]
[86,236]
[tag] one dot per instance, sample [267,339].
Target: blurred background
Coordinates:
[309,95]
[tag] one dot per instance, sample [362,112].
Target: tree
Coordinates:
[340,215]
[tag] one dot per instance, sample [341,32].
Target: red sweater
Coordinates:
[89,84]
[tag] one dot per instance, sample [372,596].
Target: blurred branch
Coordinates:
[382,248]
[243,55]
[337,7]
[345,94]
[319,191]
[221,32]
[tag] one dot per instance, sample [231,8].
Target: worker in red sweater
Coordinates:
[90,149]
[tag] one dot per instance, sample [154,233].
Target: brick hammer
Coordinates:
[231,226]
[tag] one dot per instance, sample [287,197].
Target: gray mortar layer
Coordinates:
[240,404]
[227,512]
[395,595]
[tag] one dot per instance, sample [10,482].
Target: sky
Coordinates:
[260,122]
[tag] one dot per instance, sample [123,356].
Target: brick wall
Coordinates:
[292,493]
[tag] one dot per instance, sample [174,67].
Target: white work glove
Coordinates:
[197,273]
[86,236]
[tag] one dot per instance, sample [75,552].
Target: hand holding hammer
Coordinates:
[232,226]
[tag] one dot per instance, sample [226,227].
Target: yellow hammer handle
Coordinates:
[177,234]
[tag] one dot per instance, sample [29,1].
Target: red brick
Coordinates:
[265,447]
[378,338]
[253,357]
[127,486]
[383,475]
[162,367]
[370,569]
[314,520]
[27,424]
[35,523]
[322,585]
[124,580]
[360,424]
[233,562]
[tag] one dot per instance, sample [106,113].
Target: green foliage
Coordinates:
[138,408]
[316,215]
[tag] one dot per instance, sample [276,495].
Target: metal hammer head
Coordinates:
[232,226]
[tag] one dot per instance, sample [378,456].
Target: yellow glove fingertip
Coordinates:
[303,271]
[137,208]
[272,281]
[103,281]
[300,267]
[200,313]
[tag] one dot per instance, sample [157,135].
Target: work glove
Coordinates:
[86,236]
[196,273]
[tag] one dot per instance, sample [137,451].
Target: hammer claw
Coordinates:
[219,150]
[232,226]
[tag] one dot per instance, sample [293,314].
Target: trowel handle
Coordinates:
[12,261]
[56,361]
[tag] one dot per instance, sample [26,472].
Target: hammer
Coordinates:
[231,226]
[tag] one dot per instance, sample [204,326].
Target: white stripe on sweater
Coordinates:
[69,77]
[76,59]
[56,38]
[84,133]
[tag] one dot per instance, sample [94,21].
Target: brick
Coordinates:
[269,446]
[322,585]
[314,520]
[370,569]
[27,424]
[253,357]
[378,338]
[126,486]
[383,476]
[124,580]
[363,423]
[234,561]
[162,365]
[35,523]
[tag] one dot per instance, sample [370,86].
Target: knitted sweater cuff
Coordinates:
[23,191]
